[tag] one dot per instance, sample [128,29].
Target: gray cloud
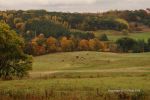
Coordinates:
[74,5]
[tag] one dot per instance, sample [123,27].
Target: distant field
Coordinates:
[90,61]
[82,75]
[114,35]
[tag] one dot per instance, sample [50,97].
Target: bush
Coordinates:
[103,37]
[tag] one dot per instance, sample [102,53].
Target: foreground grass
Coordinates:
[81,81]
[79,84]
[77,88]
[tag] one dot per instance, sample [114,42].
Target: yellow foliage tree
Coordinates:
[92,44]
[51,44]
[66,44]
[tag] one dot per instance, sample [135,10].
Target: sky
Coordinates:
[74,5]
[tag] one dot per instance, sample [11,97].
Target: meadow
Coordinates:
[83,76]
[85,60]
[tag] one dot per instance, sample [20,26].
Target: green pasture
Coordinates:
[114,35]
[90,61]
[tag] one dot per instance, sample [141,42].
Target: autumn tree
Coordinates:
[51,44]
[39,44]
[66,44]
[84,44]
[92,44]
[13,61]
[40,39]
[20,26]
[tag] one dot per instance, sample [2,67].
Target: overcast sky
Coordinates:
[74,5]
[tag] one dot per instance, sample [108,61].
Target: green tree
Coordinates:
[103,37]
[47,27]
[121,24]
[125,44]
[139,46]
[13,62]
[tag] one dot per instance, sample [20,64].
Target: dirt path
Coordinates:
[132,69]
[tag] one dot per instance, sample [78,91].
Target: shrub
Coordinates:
[103,37]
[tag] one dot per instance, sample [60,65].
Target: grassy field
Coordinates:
[90,61]
[114,35]
[83,76]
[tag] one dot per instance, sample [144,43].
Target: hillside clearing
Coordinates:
[114,35]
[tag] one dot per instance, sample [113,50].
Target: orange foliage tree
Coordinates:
[38,45]
[83,44]
[66,44]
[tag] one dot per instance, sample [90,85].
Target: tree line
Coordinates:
[41,45]
[31,22]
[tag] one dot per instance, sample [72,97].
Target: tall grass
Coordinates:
[51,94]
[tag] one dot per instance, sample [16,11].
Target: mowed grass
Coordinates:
[90,61]
[114,35]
